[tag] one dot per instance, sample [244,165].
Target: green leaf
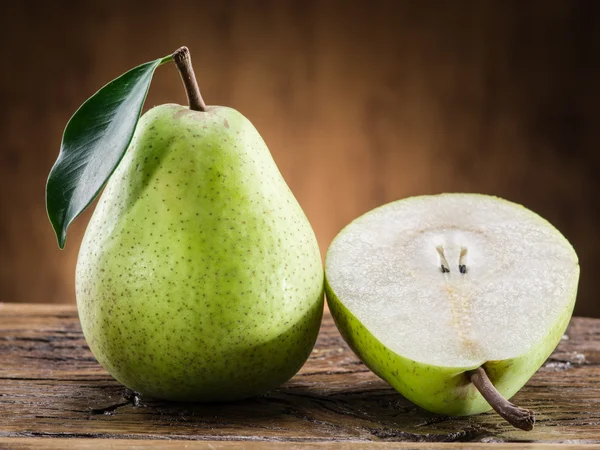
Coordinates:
[94,143]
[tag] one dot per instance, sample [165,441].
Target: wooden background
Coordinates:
[360,104]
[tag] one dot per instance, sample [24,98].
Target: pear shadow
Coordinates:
[381,413]
[372,413]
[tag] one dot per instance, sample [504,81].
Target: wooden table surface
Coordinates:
[53,393]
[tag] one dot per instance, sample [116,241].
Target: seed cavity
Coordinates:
[462,260]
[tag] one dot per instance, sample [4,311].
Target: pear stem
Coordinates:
[517,417]
[183,61]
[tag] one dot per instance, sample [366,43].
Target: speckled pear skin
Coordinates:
[199,277]
[442,390]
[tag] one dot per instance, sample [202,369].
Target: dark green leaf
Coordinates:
[94,143]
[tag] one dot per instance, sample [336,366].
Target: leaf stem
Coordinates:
[517,417]
[183,61]
[166,59]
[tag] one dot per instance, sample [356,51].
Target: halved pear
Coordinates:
[435,292]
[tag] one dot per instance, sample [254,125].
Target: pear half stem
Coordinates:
[183,61]
[517,417]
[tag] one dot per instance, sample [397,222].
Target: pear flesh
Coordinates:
[199,277]
[428,289]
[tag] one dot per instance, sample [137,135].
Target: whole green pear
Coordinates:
[199,277]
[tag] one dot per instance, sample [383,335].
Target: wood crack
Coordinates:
[131,399]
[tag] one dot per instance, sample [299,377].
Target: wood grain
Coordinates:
[118,444]
[361,103]
[52,387]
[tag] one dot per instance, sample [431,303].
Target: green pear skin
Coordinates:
[443,390]
[199,277]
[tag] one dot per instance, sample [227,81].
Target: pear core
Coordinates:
[454,280]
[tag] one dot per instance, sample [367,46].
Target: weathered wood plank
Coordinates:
[51,386]
[135,444]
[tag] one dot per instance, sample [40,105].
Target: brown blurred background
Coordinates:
[360,104]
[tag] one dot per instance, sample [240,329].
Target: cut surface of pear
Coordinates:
[429,288]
